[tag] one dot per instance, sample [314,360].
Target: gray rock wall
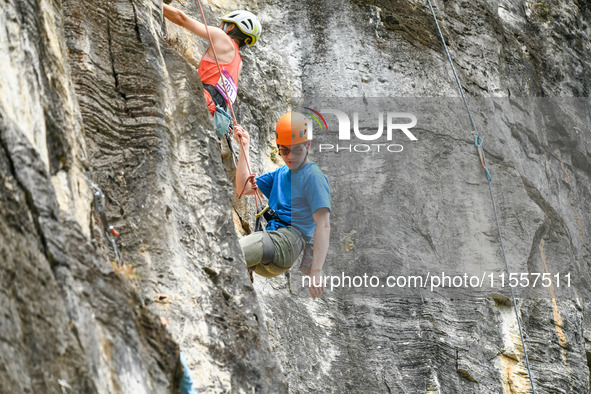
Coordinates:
[68,322]
[92,93]
[429,208]
[152,150]
[107,92]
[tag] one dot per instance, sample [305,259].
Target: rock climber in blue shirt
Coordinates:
[299,194]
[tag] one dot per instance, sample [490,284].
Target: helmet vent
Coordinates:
[247,23]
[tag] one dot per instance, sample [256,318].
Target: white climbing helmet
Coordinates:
[247,22]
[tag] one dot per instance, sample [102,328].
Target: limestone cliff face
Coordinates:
[108,92]
[91,92]
[429,210]
[68,322]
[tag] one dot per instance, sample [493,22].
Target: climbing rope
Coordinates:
[258,199]
[478,143]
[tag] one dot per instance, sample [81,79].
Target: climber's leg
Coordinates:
[288,246]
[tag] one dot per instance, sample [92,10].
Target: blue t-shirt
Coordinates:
[296,195]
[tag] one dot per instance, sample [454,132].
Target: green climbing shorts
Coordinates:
[288,247]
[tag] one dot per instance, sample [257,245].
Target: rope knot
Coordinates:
[252,181]
[253,184]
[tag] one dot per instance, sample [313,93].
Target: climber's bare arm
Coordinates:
[222,42]
[242,186]
[321,239]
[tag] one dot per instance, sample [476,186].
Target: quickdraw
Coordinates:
[110,232]
[478,143]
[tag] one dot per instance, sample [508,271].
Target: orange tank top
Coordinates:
[208,69]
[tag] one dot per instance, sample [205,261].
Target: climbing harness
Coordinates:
[478,143]
[111,234]
[222,121]
[268,214]
[218,101]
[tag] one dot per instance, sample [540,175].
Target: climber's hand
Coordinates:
[241,134]
[316,284]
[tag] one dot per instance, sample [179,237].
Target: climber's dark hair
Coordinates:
[236,34]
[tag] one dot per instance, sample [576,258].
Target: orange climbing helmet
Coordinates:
[292,129]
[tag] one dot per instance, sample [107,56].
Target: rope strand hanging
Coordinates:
[478,143]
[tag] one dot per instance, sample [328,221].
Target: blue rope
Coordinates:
[478,143]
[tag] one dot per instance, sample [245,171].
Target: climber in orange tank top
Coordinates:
[237,29]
